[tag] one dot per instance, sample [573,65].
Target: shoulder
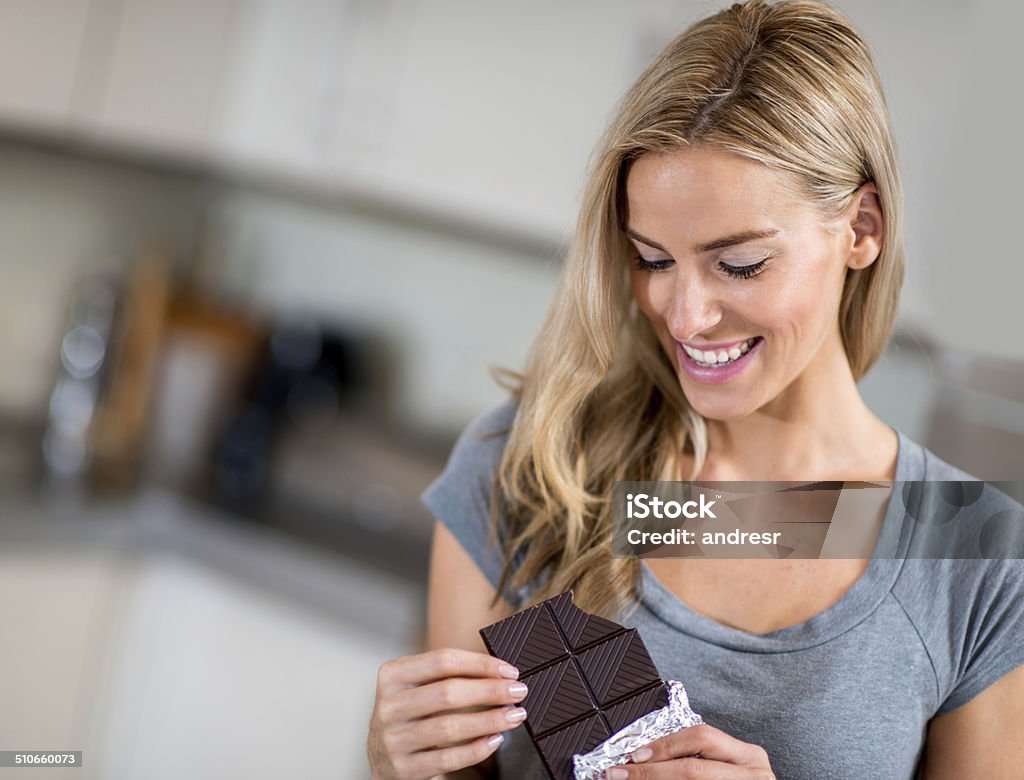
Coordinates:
[917,462]
[962,585]
[494,423]
[969,617]
[461,496]
[481,444]
[935,468]
[953,514]
[476,454]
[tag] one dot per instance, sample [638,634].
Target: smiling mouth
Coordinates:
[721,357]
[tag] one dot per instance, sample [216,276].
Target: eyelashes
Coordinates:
[745,271]
[736,272]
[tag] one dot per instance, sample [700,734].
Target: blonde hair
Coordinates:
[790,85]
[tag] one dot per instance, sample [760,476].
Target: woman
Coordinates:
[735,271]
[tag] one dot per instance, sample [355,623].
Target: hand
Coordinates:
[699,751]
[420,727]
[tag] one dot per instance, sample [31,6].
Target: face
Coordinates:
[740,277]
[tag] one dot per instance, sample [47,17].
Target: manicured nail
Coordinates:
[518,690]
[617,773]
[641,755]
[508,672]
[515,715]
[494,741]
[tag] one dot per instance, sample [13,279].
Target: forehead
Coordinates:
[715,188]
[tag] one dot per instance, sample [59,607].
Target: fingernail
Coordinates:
[509,672]
[617,773]
[515,715]
[642,754]
[494,741]
[517,689]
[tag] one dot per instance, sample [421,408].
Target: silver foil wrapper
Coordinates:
[617,748]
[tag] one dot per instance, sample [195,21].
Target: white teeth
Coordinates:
[722,356]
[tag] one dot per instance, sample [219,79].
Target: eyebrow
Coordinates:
[718,243]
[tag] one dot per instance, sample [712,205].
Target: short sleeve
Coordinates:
[968,611]
[460,497]
[990,634]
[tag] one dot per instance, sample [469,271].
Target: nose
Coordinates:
[694,307]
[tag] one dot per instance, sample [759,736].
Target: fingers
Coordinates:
[682,768]
[446,730]
[421,728]
[457,693]
[438,665]
[430,763]
[711,743]
[722,757]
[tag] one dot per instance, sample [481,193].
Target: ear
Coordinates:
[866,221]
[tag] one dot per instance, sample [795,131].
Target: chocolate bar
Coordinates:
[587,677]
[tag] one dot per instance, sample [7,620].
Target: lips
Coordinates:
[718,373]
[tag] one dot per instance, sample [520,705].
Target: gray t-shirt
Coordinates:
[846,694]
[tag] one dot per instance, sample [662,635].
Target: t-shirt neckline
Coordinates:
[853,607]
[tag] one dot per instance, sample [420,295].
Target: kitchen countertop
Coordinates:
[159,521]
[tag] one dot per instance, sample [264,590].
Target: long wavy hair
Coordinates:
[790,85]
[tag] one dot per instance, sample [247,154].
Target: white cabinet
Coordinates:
[58,607]
[160,86]
[211,678]
[491,110]
[284,73]
[40,46]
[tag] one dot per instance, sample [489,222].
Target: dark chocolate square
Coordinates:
[558,695]
[618,666]
[630,709]
[528,642]
[582,736]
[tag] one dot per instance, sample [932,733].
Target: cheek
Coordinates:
[649,295]
[804,300]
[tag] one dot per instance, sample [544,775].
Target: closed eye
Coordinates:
[734,271]
[743,271]
[644,264]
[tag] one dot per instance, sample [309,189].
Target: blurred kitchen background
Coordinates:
[256,257]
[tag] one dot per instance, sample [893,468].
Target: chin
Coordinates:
[718,409]
[722,416]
